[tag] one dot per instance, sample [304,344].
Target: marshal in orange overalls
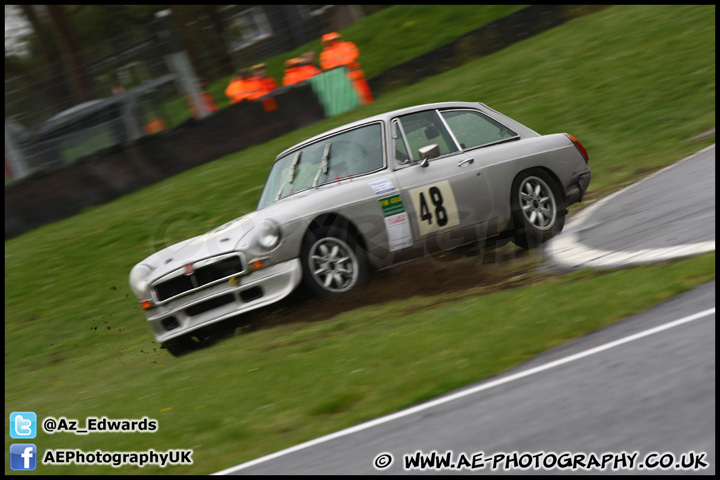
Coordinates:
[338,53]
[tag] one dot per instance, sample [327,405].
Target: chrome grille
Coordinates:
[202,276]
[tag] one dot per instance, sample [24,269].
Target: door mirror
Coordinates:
[427,152]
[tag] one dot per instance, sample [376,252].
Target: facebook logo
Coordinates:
[23,456]
[23,425]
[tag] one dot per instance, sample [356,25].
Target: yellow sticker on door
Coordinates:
[435,207]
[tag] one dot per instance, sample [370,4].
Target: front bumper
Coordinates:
[224,300]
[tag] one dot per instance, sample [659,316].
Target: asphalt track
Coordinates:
[667,215]
[644,385]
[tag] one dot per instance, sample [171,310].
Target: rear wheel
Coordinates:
[333,261]
[537,207]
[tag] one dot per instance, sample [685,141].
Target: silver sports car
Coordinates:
[366,196]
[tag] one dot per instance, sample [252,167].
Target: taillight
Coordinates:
[579,146]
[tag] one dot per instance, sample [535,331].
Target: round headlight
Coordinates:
[140,281]
[269,234]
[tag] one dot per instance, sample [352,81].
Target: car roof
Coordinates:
[382,117]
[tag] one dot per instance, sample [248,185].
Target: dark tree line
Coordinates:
[65,41]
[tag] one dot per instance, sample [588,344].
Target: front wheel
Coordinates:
[189,342]
[332,261]
[537,208]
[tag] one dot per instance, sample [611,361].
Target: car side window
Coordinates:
[473,129]
[425,128]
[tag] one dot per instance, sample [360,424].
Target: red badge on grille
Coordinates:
[189,270]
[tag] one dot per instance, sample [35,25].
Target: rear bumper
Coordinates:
[221,301]
[577,189]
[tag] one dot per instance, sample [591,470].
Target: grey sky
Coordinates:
[16,27]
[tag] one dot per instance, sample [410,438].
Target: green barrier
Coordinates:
[335,92]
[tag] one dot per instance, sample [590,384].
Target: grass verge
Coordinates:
[260,392]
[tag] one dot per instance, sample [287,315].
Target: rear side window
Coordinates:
[473,129]
[425,128]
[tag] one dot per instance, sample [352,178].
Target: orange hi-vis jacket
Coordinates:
[237,90]
[291,76]
[299,74]
[340,54]
[260,86]
[308,71]
[345,54]
[250,88]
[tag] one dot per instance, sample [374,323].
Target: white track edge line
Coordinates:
[470,391]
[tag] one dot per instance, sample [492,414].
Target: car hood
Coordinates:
[224,239]
[235,235]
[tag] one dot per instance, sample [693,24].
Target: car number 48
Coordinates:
[435,207]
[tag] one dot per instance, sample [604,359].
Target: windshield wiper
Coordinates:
[324,166]
[294,164]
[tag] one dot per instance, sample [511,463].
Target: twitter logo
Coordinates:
[23,425]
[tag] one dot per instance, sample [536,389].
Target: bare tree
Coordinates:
[179,18]
[220,49]
[79,73]
[52,88]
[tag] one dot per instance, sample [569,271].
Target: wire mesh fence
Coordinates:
[145,81]
[80,104]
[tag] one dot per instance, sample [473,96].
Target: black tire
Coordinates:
[178,347]
[538,208]
[333,262]
[184,344]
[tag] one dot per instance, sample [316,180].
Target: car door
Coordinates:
[445,196]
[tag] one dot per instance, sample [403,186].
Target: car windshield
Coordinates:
[351,153]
